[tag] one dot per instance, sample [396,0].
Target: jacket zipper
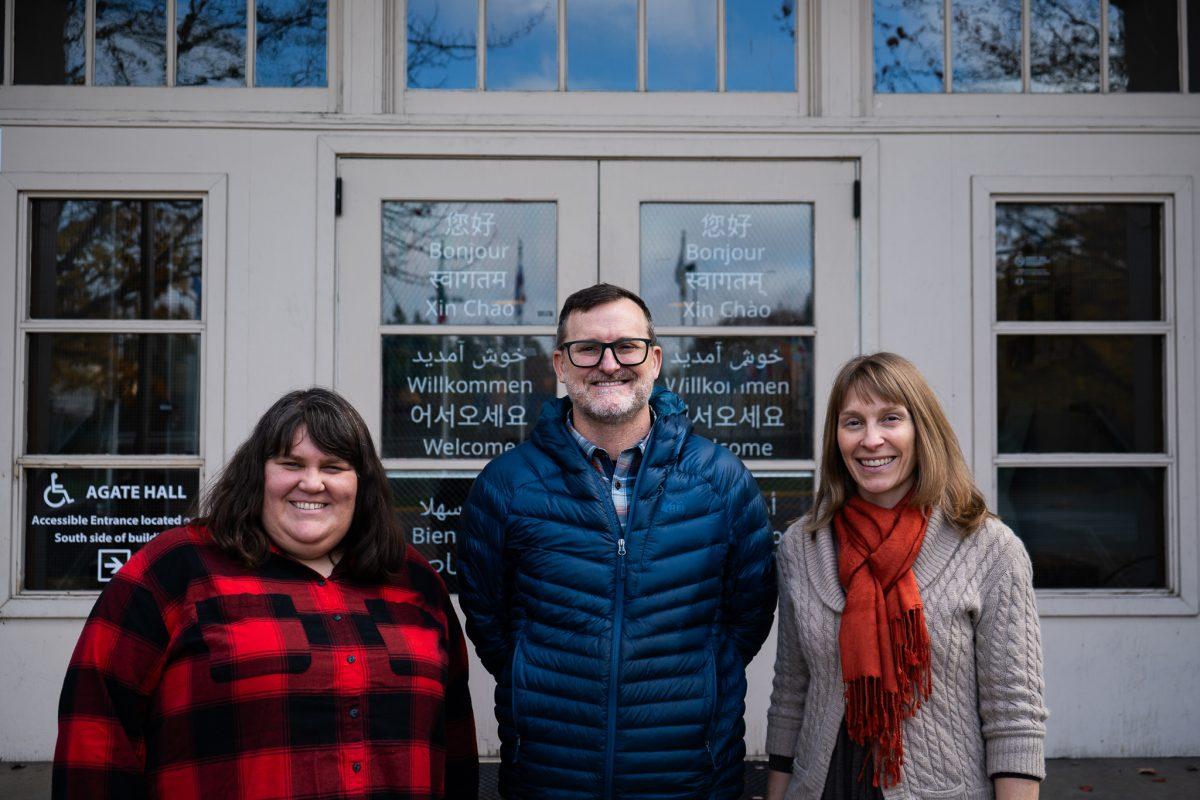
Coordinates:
[614,667]
[711,679]
[516,716]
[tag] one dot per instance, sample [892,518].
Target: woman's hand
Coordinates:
[1014,789]
[777,783]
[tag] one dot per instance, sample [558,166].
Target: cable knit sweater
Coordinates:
[986,714]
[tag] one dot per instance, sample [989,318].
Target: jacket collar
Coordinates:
[820,558]
[671,426]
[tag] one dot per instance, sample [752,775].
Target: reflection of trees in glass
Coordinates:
[49,42]
[116,259]
[1078,261]
[434,46]
[131,43]
[506,250]
[987,45]
[527,62]
[290,49]
[908,46]
[408,229]
[210,42]
[113,393]
[1065,46]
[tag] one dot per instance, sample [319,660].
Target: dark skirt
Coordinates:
[850,771]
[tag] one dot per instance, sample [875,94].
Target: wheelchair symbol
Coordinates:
[57,491]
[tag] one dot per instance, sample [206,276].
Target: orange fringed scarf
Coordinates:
[883,640]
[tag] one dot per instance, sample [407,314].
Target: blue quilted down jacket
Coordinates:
[619,655]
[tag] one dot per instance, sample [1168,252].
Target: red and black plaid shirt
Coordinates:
[197,678]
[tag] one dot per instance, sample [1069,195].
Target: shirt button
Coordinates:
[356,766]
[617,483]
[354,713]
[350,659]
[321,582]
[337,617]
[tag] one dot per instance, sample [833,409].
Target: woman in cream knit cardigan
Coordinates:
[909,663]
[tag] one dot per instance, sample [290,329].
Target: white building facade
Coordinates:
[394,199]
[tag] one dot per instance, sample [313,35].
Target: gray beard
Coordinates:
[607,415]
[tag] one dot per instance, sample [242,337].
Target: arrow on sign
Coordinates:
[108,562]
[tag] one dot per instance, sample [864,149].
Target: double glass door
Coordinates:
[451,273]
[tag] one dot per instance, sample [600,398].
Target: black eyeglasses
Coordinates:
[628,352]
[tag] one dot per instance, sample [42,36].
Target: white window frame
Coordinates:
[169,96]
[1178,329]
[635,104]
[16,191]
[1025,103]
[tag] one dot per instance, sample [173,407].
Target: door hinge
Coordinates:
[857,197]
[337,197]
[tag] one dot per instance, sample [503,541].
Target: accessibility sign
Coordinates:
[82,524]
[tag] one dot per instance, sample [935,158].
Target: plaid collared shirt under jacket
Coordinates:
[620,475]
[196,678]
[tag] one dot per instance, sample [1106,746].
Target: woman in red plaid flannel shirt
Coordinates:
[285,644]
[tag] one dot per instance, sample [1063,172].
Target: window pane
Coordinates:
[754,396]
[987,45]
[131,43]
[48,46]
[681,52]
[1143,46]
[1072,262]
[83,524]
[114,394]
[462,396]
[442,44]
[1080,394]
[1088,528]
[728,263]
[1065,46]
[602,45]
[760,51]
[211,43]
[469,263]
[788,496]
[116,259]
[522,45]
[909,46]
[290,49]
[429,505]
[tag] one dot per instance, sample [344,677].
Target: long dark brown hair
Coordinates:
[374,546]
[942,478]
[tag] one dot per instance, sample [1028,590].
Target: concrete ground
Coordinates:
[1067,779]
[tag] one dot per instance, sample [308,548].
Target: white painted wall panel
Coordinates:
[1119,686]
[33,661]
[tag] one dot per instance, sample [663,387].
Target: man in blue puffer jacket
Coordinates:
[617,576]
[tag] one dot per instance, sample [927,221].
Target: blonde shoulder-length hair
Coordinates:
[942,478]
